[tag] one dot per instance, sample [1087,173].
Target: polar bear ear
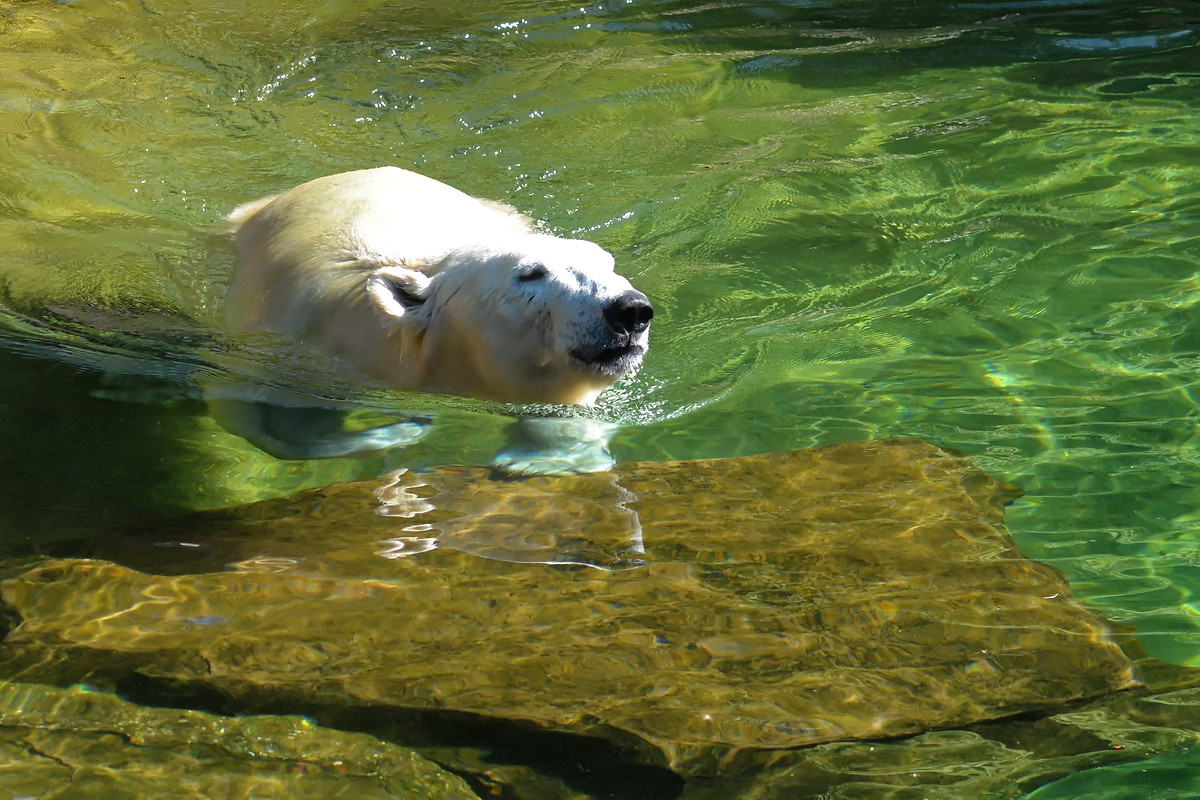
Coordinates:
[396,292]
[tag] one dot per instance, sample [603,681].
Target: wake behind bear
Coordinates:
[424,288]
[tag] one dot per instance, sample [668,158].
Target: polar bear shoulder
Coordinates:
[290,246]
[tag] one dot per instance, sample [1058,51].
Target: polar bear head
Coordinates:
[534,318]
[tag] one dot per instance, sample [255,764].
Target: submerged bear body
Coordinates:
[425,288]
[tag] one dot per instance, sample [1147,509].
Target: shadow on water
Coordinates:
[1045,42]
[500,758]
[75,463]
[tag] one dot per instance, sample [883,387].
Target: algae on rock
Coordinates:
[101,746]
[860,591]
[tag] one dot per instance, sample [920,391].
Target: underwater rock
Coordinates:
[1000,760]
[859,591]
[55,742]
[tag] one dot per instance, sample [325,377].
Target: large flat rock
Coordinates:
[82,744]
[863,590]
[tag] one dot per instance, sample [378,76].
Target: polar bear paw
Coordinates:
[555,446]
[297,433]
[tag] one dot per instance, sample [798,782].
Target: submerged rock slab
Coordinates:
[863,590]
[999,760]
[80,743]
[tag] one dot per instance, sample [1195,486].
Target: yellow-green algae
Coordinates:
[78,743]
[858,591]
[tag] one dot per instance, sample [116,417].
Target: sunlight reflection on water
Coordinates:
[976,225]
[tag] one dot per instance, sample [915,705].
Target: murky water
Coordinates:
[977,225]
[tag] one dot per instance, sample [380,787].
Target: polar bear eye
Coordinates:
[534,273]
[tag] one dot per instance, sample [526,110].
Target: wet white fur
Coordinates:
[417,285]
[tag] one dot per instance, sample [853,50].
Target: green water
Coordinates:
[974,224]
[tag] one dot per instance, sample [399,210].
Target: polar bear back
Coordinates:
[316,242]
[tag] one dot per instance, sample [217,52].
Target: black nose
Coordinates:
[630,313]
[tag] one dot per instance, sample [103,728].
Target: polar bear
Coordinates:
[424,288]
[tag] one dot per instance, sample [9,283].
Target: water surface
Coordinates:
[974,224]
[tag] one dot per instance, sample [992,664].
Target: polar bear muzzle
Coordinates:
[629,314]
[627,319]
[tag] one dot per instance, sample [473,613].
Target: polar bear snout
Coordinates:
[630,313]
[619,349]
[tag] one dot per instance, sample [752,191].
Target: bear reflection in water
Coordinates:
[423,288]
